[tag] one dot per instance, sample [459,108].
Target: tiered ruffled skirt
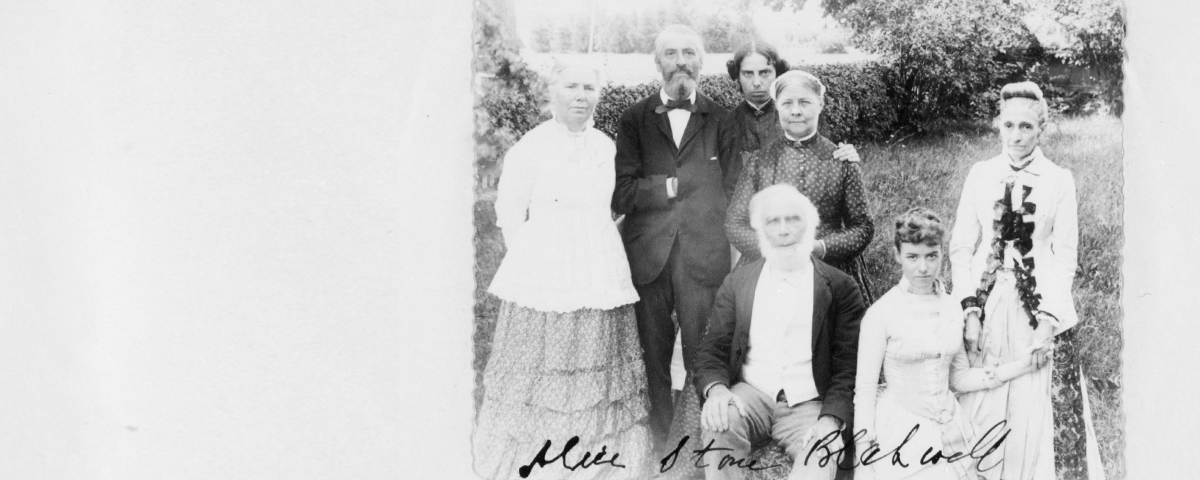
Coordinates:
[553,376]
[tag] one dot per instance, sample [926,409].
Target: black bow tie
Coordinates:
[684,104]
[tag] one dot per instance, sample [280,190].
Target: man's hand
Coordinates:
[971,332]
[846,153]
[715,416]
[825,425]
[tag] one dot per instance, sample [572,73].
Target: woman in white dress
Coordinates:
[1015,287]
[565,358]
[914,332]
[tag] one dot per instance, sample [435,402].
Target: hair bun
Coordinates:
[1024,89]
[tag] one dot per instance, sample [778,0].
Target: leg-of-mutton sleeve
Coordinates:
[1055,284]
[633,191]
[963,238]
[872,345]
[737,219]
[851,239]
[514,190]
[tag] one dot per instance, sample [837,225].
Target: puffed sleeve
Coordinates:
[850,240]
[515,189]
[1055,284]
[963,238]
[872,345]
[737,218]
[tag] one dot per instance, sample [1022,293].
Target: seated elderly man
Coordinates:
[778,359]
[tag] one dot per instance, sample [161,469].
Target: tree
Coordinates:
[950,56]
[946,55]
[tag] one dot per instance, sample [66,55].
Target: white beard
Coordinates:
[789,258]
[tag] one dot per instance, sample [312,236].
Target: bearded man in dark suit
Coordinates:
[780,355]
[675,170]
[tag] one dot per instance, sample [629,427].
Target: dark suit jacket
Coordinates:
[837,310]
[705,165]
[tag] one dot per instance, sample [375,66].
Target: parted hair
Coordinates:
[760,47]
[1029,93]
[919,226]
[797,77]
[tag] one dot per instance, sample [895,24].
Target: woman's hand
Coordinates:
[971,332]
[1042,348]
[846,153]
[1039,354]
[715,416]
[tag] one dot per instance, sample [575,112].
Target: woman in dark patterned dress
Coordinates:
[804,159]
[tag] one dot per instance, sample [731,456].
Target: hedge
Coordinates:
[857,107]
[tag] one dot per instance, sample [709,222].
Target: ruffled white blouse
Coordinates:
[1055,235]
[553,206]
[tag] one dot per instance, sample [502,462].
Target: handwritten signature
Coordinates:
[822,451]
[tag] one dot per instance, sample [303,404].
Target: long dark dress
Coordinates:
[834,187]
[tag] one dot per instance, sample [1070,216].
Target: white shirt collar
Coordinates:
[805,269]
[662,93]
[758,108]
[805,139]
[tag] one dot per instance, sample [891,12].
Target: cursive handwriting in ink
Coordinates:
[726,461]
[984,447]
[541,461]
[829,454]
[995,446]
[868,457]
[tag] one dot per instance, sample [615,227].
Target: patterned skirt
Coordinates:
[554,376]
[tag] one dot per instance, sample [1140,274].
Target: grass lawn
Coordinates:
[929,172]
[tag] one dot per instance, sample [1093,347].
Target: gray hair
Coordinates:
[786,193]
[1025,91]
[797,77]
[677,29]
[561,65]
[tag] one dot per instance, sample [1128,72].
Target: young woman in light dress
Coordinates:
[565,358]
[914,333]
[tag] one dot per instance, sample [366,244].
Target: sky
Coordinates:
[531,13]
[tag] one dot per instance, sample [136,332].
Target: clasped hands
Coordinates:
[1039,351]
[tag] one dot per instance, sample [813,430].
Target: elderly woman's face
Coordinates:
[799,107]
[1020,129]
[574,97]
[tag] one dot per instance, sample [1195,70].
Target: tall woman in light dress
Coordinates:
[914,332]
[803,158]
[1015,287]
[565,359]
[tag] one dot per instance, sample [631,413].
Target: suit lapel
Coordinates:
[661,121]
[695,121]
[746,308]
[822,297]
